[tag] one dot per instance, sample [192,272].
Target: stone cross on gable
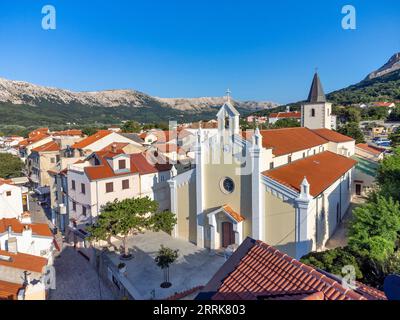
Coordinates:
[228,95]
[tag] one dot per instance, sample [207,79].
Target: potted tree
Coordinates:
[165,257]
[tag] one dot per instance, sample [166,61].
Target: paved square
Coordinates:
[194,267]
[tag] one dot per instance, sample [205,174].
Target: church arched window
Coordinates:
[226,123]
[312,112]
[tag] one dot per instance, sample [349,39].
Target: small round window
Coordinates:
[227,185]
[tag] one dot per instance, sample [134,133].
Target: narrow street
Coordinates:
[76,279]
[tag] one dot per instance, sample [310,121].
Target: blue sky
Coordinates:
[262,50]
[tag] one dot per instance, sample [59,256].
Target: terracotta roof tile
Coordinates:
[72,132]
[9,291]
[282,115]
[288,140]
[33,139]
[333,136]
[236,216]
[371,149]
[39,229]
[91,139]
[23,261]
[318,170]
[259,271]
[51,146]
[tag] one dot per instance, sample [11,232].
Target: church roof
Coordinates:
[317,169]
[316,92]
[288,140]
[229,109]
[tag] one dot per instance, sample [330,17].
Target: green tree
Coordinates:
[90,130]
[10,166]
[374,229]
[388,175]
[163,221]
[123,218]
[395,138]
[165,257]
[333,261]
[285,123]
[131,127]
[129,217]
[352,130]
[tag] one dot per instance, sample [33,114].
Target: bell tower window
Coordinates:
[312,112]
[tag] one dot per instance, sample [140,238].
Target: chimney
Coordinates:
[114,148]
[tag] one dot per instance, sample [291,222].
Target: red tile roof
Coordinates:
[104,170]
[115,147]
[371,149]
[236,216]
[91,139]
[38,132]
[138,164]
[383,104]
[9,291]
[23,261]
[321,171]
[333,136]
[282,115]
[32,139]
[72,132]
[259,271]
[5,181]
[145,166]
[167,147]
[39,229]
[288,140]
[51,146]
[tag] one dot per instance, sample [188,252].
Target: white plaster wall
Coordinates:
[10,206]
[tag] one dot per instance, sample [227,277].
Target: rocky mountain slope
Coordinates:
[392,65]
[24,93]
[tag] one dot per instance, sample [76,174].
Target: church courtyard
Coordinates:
[193,268]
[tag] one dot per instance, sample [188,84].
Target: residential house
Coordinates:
[99,141]
[368,158]
[22,276]
[106,176]
[384,104]
[258,271]
[33,141]
[288,187]
[23,236]
[13,199]
[257,119]
[274,117]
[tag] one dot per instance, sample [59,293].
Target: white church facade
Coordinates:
[287,187]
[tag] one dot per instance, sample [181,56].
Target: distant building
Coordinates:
[274,117]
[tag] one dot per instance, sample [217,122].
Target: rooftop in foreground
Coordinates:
[257,271]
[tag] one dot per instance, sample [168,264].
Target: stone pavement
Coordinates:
[76,279]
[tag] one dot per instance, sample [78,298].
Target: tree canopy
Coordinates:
[131,127]
[128,217]
[10,166]
[352,130]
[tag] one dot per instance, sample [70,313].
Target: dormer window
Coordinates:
[122,164]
